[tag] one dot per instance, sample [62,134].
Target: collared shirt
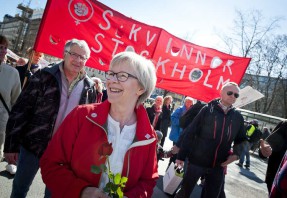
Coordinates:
[80,76]
[70,96]
[121,141]
[224,108]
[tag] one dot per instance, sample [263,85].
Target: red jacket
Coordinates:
[66,164]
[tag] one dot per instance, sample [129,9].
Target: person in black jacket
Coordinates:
[154,112]
[49,96]
[253,135]
[188,116]
[101,92]
[274,147]
[207,143]
[165,117]
[23,70]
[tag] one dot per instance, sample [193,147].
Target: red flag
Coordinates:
[182,67]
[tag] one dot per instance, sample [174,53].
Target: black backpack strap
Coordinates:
[4,103]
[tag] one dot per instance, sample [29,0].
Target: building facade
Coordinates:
[12,28]
[21,29]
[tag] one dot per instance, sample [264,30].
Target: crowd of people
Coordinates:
[60,120]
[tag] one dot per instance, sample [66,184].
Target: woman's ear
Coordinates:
[140,91]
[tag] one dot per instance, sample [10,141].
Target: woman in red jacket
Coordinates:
[121,121]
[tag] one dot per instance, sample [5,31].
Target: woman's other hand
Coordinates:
[93,192]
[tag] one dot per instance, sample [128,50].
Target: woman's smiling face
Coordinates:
[123,93]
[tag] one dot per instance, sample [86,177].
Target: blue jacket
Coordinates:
[175,128]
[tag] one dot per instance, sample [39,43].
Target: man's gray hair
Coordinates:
[144,71]
[81,43]
[229,84]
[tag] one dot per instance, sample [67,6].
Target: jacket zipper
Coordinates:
[214,131]
[101,178]
[230,127]
[222,131]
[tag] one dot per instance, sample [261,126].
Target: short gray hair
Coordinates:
[81,43]
[144,71]
[230,84]
[100,84]
[188,98]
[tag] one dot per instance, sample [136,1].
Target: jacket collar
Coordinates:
[55,69]
[215,104]
[144,131]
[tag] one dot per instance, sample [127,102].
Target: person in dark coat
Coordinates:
[274,147]
[48,97]
[23,70]
[101,93]
[188,116]
[253,135]
[165,117]
[207,143]
[265,133]
[154,112]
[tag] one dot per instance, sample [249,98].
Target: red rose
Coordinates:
[117,182]
[105,149]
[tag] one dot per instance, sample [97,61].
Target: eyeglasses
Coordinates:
[75,56]
[121,76]
[229,93]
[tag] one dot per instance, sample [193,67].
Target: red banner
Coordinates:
[182,67]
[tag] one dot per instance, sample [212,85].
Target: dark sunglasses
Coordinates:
[229,93]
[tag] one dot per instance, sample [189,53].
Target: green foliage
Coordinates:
[103,167]
[96,169]
[116,183]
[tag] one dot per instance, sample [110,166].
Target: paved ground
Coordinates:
[240,182]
